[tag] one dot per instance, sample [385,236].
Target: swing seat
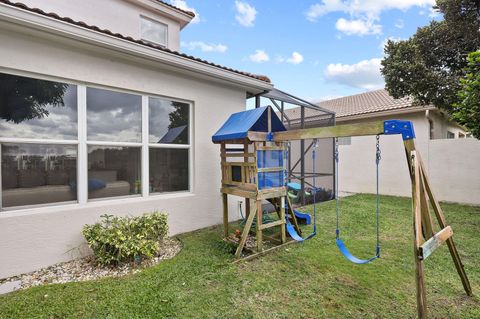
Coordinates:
[347,254]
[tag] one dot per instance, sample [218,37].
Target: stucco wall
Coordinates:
[118,16]
[30,239]
[453,170]
[451,164]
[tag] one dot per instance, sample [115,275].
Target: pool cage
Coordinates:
[299,167]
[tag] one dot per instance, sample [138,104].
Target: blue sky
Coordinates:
[313,49]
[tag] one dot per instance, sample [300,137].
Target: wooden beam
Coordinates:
[427,222]
[283,234]
[417,230]
[372,128]
[246,230]
[237,191]
[433,243]
[259,226]
[271,169]
[264,252]
[272,224]
[225,214]
[257,136]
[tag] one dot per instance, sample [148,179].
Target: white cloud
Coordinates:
[259,56]
[370,8]
[399,24]
[205,47]
[364,74]
[363,14]
[245,13]
[358,27]
[182,4]
[296,58]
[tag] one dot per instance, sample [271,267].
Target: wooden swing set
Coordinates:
[256,171]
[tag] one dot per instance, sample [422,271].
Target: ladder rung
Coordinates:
[272,224]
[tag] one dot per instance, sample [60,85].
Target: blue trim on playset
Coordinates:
[405,128]
[238,124]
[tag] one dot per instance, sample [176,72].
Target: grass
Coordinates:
[308,280]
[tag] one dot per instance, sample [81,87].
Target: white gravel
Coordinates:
[84,269]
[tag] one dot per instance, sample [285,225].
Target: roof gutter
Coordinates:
[60,28]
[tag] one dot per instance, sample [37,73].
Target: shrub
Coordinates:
[115,240]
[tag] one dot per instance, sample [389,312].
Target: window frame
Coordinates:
[146,139]
[82,144]
[143,17]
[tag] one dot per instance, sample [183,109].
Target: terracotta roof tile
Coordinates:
[364,103]
[128,38]
[190,13]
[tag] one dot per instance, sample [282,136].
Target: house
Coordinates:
[450,157]
[100,114]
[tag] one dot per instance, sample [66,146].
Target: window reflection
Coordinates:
[32,108]
[168,170]
[113,116]
[113,171]
[38,174]
[168,121]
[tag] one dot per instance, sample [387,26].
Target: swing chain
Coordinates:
[336,150]
[379,152]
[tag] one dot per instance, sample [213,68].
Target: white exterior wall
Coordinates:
[453,170]
[452,165]
[35,238]
[118,16]
[357,161]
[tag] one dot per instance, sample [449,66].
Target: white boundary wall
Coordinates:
[453,165]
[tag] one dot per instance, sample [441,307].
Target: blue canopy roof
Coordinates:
[238,124]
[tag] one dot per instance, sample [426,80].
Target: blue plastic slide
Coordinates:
[304,216]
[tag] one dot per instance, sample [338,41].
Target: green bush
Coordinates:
[115,240]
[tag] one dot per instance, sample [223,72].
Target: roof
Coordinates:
[282,96]
[238,124]
[359,104]
[190,13]
[172,134]
[128,38]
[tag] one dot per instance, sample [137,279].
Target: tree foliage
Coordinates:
[429,65]
[24,98]
[467,110]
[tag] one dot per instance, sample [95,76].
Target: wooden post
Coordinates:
[225,214]
[428,228]
[247,200]
[417,229]
[283,234]
[259,226]
[246,230]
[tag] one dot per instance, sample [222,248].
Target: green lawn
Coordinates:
[309,280]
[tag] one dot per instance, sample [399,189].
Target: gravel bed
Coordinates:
[84,269]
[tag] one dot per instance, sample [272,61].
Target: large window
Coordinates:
[113,171]
[153,31]
[65,143]
[38,141]
[113,116]
[169,145]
